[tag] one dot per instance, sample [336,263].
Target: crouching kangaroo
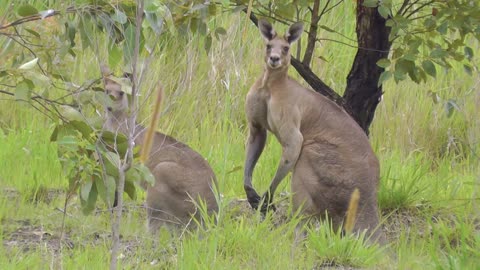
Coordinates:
[181,174]
[327,151]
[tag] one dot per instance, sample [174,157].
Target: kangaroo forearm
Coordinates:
[255,147]
[281,173]
[289,158]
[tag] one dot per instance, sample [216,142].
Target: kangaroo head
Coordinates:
[119,100]
[278,48]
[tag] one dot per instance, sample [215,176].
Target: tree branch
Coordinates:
[419,8]
[31,18]
[312,34]
[127,163]
[316,83]
[7,93]
[403,7]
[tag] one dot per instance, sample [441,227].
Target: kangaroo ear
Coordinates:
[294,32]
[266,29]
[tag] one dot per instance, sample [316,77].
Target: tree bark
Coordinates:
[362,93]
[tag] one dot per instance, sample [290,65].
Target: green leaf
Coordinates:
[131,190]
[384,11]
[468,69]
[212,9]
[285,10]
[89,205]
[29,64]
[384,63]
[26,10]
[468,52]
[166,15]
[438,53]
[113,158]
[151,7]
[450,107]
[36,34]
[321,57]
[429,23]
[429,68]
[208,43]
[85,190]
[435,97]
[402,67]
[106,189]
[111,186]
[145,173]
[390,23]
[54,135]
[155,23]
[110,169]
[119,17]
[129,45]
[384,77]
[23,91]
[62,131]
[370,3]
[442,28]
[220,31]
[103,99]
[85,29]
[39,80]
[83,128]
[68,140]
[71,31]
[114,55]
[111,137]
[414,74]
[410,56]
[70,113]
[328,29]
[202,28]
[133,175]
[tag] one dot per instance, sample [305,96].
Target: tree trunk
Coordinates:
[362,94]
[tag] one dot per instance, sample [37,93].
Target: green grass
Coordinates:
[429,172]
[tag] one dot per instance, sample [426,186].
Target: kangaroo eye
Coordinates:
[285,49]
[121,94]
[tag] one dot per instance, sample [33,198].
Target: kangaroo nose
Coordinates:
[274,58]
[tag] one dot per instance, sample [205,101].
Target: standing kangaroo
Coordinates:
[181,174]
[329,153]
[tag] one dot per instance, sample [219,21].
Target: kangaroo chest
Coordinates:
[259,110]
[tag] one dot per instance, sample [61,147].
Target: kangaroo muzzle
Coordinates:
[274,61]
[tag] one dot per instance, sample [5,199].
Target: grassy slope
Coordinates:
[429,172]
